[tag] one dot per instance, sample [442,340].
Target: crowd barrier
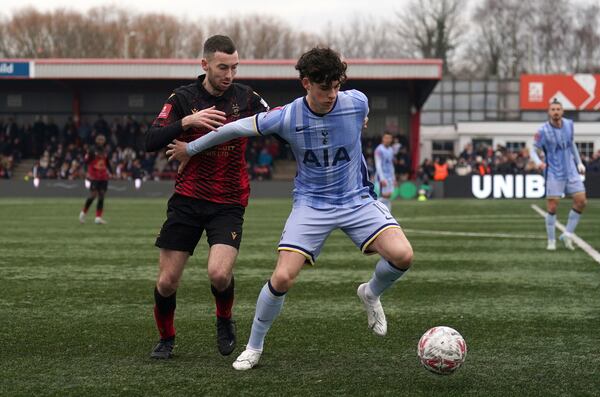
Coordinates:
[471,186]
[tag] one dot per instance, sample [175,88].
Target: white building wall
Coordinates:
[499,132]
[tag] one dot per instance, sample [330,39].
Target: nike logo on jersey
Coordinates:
[300,128]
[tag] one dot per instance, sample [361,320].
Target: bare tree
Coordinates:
[552,27]
[432,28]
[501,41]
[364,38]
[583,48]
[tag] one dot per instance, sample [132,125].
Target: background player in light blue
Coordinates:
[562,166]
[332,190]
[384,169]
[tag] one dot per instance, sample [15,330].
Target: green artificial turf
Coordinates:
[76,306]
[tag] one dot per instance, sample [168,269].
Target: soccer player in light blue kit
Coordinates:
[562,166]
[384,168]
[332,191]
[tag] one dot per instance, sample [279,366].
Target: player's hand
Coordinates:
[365,122]
[542,166]
[383,183]
[581,168]
[178,151]
[210,118]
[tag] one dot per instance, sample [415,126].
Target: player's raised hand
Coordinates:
[210,118]
[178,151]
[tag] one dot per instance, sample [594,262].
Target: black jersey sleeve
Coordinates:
[166,127]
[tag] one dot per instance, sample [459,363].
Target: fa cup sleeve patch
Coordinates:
[164,113]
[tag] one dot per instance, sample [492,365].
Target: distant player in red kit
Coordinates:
[98,172]
[211,192]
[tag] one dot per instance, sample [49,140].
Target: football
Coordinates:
[442,350]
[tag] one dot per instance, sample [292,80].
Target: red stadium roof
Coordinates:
[275,69]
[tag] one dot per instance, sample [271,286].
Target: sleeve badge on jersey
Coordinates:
[164,113]
[537,137]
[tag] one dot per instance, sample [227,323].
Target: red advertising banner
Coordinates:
[575,92]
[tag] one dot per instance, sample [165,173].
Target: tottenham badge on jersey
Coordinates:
[164,113]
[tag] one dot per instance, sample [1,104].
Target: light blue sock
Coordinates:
[573,221]
[383,277]
[268,307]
[550,223]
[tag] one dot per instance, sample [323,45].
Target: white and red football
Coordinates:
[442,350]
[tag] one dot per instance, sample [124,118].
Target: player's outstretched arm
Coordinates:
[182,151]
[164,131]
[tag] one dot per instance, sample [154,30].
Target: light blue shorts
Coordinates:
[307,228]
[558,188]
[388,189]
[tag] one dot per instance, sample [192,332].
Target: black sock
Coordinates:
[164,304]
[88,202]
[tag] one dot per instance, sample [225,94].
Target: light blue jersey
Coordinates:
[332,171]
[384,162]
[559,149]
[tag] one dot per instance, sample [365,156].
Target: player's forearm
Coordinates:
[535,156]
[245,127]
[576,153]
[157,138]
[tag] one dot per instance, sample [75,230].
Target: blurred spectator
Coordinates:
[440,169]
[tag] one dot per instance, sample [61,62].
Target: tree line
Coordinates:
[477,38]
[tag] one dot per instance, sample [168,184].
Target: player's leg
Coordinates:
[224,233]
[396,257]
[373,229]
[579,204]
[221,260]
[301,241]
[385,196]
[177,240]
[88,202]
[269,305]
[551,208]
[171,265]
[103,185]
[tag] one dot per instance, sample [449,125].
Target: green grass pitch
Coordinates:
[76,306]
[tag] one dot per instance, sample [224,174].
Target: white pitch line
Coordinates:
[473,234]
[588,249]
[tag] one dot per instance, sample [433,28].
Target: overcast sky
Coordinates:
[302,15]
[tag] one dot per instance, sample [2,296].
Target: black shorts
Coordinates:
[187,218]
[99,186]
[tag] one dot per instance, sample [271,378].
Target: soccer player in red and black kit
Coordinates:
[98,168]
[211,192]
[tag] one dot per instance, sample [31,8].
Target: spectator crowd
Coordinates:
[59,153]
[485,160]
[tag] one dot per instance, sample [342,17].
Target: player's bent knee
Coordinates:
[282,281]
[220,278]
[402,257]
[167,284]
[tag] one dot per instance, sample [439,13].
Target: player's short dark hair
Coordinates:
[555,102]
[322,66]
[218,43]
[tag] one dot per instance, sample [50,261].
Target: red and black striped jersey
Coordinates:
[218,174]
[97,164]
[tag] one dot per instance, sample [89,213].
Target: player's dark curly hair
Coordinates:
[322,66]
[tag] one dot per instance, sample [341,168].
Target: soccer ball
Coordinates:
[442,350]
